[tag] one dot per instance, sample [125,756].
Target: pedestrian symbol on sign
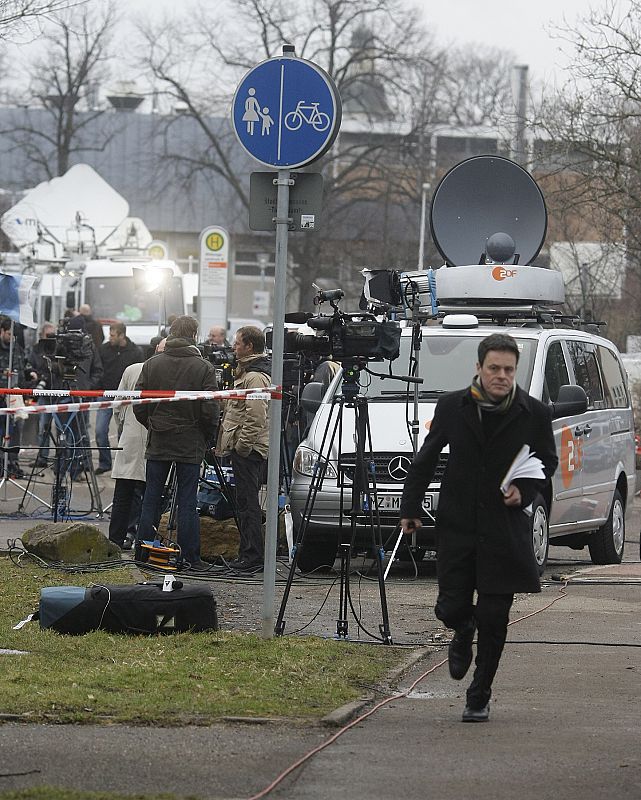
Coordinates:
[253,113]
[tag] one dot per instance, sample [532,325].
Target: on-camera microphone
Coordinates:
[328,295]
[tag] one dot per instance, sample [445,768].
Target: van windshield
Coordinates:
[446,363]
[115,297]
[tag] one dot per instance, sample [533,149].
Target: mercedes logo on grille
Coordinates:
[398,467]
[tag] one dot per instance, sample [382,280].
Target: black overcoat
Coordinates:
[472,521]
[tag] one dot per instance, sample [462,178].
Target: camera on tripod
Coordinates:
[344,335]
[65,350]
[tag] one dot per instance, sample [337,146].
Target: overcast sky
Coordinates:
[522,26]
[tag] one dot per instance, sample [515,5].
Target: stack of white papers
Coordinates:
[525,465]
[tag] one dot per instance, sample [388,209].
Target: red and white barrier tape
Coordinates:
[134,398]
[219,394]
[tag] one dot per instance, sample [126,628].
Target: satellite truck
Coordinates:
[488,220]
[76,234]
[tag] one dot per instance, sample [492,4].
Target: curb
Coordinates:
[343,714]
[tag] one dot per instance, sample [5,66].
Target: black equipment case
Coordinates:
[137,608]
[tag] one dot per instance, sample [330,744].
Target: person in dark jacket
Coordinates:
[40,358]
[117,354]
[484,538]
[177,432]
[87,375]
[91,325]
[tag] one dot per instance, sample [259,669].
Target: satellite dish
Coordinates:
[481,197]
[54,207]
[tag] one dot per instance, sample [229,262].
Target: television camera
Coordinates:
[64,352]
[346,336]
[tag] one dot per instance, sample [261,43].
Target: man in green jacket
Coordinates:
[244,434]
[178,432]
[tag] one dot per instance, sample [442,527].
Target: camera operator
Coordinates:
[117,354]
[218,336]
[178,432]
[41,365]
[18,368]
[91,325]
[86,373]
[244,434]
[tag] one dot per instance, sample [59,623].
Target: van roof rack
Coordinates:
[540,315]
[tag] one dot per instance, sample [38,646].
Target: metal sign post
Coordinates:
[275,408]
[286,113]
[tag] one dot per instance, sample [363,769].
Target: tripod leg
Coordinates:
[225,488]
[377,539]
[314,486]
[43,439]
[170,490]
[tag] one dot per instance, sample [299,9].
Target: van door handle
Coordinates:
[587,430]
[578,431]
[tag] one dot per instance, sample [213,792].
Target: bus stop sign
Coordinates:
[286,112]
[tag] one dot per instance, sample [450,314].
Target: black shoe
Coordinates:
[199,566]
[128,543]
[16,472]
[476,714]
[40,463]
[102,470]
[459,654]
[248,567]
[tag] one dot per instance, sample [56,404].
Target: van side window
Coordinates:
[556,373]
[586,371]
[615,384]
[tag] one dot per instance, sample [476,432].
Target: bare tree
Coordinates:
[590,131]
[73,60]
[18,16]
[397,86]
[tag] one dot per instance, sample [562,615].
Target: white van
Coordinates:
[586,502]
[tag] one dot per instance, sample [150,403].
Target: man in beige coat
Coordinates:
[244,435]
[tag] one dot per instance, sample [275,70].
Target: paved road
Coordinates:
[566,718]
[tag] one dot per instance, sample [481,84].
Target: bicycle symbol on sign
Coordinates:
[307,113]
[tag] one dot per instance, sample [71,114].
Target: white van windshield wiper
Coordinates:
[405,392]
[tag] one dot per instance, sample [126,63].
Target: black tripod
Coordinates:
[67,434]
[364,505]
[170,494]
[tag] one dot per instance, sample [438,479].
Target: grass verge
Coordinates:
[177,679]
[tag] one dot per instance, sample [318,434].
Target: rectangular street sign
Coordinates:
[305,201]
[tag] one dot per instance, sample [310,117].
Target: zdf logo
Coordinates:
[501,273]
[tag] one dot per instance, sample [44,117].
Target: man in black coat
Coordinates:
[178,432]
[484,538]
[117,354]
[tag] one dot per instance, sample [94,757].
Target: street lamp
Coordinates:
[421,243]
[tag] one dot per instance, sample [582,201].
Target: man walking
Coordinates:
[484,538]
[117,354]
[178,433]
[244,434]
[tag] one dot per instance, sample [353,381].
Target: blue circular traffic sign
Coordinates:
[286,112]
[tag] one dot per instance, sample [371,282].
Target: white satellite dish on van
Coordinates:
[131,234]
[59,208]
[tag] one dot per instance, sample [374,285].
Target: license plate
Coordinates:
[392,502]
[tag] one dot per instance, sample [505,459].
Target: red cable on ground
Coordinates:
[280,778]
